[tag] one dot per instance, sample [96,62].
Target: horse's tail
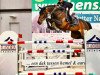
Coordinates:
[86,24]
[90,27]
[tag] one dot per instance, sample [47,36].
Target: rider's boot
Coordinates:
[70,21]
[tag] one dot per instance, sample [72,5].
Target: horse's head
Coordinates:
[44,12]
[42,15]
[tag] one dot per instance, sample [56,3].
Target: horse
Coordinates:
[59,20]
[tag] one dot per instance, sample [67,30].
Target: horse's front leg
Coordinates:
[49,21]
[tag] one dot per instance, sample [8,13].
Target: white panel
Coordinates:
[8,56]
[8,63]
[92,39]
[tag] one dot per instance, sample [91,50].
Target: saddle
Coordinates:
[74,21]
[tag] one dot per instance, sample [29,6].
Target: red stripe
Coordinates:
[30,73]
[40,74]
[77,51]
[40,51]
[10,42]
[29,51]
[21,42]
[59,41]
[70,41]
[19,35]
[78,73]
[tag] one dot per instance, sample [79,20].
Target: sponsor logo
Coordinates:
[7,47]
[93,43]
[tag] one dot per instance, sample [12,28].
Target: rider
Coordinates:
[66,5]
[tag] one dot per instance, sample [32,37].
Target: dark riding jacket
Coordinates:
[65,4]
